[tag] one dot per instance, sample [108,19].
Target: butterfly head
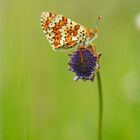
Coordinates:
[92,34]
[95,31]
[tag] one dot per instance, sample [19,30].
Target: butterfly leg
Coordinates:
[93,45]
[81,47]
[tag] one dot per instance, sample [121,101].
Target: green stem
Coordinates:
[100,107]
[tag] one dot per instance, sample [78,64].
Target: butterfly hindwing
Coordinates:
[61,32]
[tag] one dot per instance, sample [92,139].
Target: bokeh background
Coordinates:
[38,98]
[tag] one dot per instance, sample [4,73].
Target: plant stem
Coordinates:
[100,107]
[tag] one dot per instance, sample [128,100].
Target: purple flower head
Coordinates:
[84,63]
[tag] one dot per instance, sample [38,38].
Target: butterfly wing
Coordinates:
[61,32]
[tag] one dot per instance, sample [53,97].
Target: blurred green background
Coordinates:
[38,98]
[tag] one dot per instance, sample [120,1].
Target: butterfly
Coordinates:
[63,33]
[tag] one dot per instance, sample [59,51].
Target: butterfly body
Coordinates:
[63,33]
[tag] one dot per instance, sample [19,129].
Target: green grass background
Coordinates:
[38,98]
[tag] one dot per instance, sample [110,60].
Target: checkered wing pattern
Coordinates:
[61,32]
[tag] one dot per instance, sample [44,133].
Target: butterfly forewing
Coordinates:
[61,32]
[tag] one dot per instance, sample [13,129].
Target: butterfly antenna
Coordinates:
[97,22]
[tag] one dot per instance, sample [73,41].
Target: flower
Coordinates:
[84,63]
